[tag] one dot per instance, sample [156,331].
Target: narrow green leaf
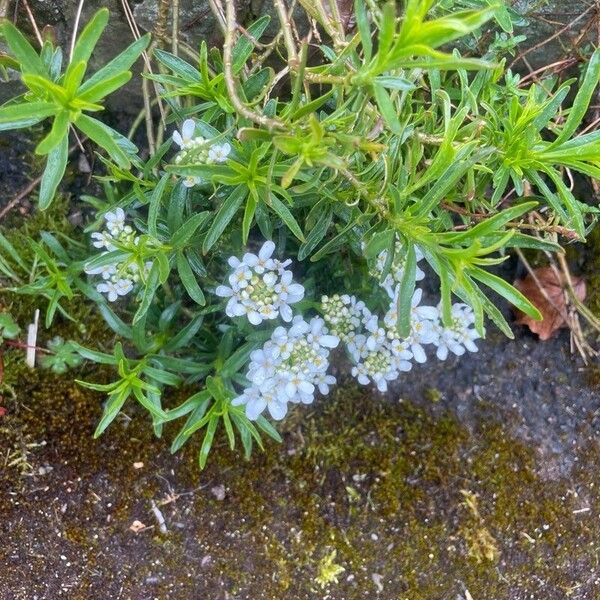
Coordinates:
[507,291]
[179,66]
[407,288]
[155,411]
[189,280]
[582,100]
[155,205]
[196,417]
[150,288]
[244,46]
[286,216]
[224,216]
[364,29]
[14,113]
[249,211]
[104,137]
[60,129]
[207,441]
[229,430]
[185,232]
[54,172]
[103,88]
[111,410]
[387,109]
[28,58]
[317,233]
[120,63]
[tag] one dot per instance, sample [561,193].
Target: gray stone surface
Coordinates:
[196,23]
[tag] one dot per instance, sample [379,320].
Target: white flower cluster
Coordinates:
[377,351]
[260,287]
[118,278]
[290,367]
[195,148]
[293,364]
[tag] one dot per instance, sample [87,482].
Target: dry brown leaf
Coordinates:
[554,307]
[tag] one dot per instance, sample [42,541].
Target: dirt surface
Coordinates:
[478,475]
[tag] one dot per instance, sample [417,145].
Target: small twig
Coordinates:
[239,106]
[288,38]
[26,190]
[563,64]
[38,35]
[75,29]
[217,10]
[22,194]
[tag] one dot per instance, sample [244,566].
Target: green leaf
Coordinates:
[105,87]
[44,87]
[507,291]
[286,216]
[490,225]
[248,218]
[263,424]
[14,113]
[224,216]
[364,28]
[317,233]
[568,200]
[394,83]
[189,280]
[380,241]
[177,65]
[196,417]
[28,58]
[60,130]
[73,77]
[155,411]
[149,290]
[582,100]
[185,232]
[387,109]
[244,46]
[407,288]
[54,172]
[88,38]
[155,205]
[105,137]
[192,403]
[111,410]
[117,65]
[185,335]
[11,251]
[207,441]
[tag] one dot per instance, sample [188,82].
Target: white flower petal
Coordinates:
[267,250]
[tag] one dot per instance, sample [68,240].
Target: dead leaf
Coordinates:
[554,307]
[137,526]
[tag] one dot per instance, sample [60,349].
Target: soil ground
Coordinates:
[476,475]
